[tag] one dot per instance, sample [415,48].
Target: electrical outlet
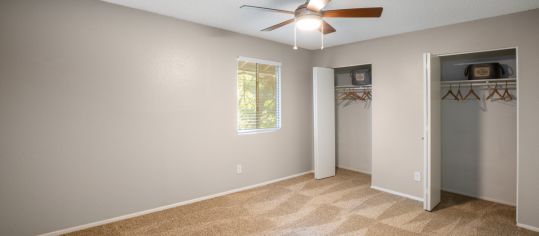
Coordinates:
[417,176]
[238,169]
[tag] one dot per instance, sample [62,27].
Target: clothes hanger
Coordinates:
[369,94]
[459,94]
[362,96]
[366,94]
[358,97]
[472,92]
[348,96]
[506,95]
[342,95]
[450,92]
[495,91]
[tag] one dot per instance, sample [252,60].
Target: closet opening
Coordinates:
[471,128]
[342,120]
[353,101]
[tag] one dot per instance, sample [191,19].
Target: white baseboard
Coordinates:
[528,227]
[479,197]
[161,208]
[397,193]
[355,170]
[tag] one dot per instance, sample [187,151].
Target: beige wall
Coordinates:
[354,136]
[398,97]
[107,111]
[479,148]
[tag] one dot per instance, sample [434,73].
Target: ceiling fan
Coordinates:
[311,14]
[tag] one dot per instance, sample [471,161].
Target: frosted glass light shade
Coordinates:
[309,22]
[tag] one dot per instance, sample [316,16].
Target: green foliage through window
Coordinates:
[258,96]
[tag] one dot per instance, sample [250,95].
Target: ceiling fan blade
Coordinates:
[279,25]
[268,9]
[328,29]
[317,5]
[354,12]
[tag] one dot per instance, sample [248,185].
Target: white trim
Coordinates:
[257,131]
[518,128]
[528,227]
[278,97]
[161,208]
[355,170]
[397,193]
[478,51]
[354,65]
[479,197]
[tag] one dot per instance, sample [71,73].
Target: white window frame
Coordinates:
[279,92]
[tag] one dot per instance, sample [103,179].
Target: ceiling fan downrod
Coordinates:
[322,37]
[295,36]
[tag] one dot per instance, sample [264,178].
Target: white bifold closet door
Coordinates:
[432,132]
[324,122]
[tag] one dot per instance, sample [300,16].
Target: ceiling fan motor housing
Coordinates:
[302,10]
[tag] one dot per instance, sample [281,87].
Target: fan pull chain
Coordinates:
[295,35]
[322,36]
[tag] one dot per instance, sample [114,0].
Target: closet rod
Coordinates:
[500,85]
[484,82]
[353,87]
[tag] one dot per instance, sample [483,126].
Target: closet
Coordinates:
[471,126]
[342,119]
[353,118]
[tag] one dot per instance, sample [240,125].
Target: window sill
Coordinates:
[257,131]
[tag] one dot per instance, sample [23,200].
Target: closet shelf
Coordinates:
[482,82]
[353,87]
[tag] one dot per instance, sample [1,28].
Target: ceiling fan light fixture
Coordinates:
[309,22]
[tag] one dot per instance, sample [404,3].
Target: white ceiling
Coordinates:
[399,16]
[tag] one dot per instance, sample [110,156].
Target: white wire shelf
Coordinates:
[353,87]
[480,82]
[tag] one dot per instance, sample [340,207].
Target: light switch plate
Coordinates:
[239,169]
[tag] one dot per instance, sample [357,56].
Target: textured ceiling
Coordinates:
[399,16]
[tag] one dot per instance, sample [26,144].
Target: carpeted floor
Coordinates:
[341,205]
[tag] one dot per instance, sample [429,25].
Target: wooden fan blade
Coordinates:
[328,29]
[317,5]
[279,25]
[268,9]
[354,12]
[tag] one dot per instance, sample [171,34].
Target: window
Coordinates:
[259,95]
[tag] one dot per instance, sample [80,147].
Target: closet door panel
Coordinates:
[324,122]
[433,132]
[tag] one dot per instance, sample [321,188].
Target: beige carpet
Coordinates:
[341,205]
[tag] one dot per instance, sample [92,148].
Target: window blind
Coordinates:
[259,95]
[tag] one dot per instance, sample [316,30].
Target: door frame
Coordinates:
[425,157]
